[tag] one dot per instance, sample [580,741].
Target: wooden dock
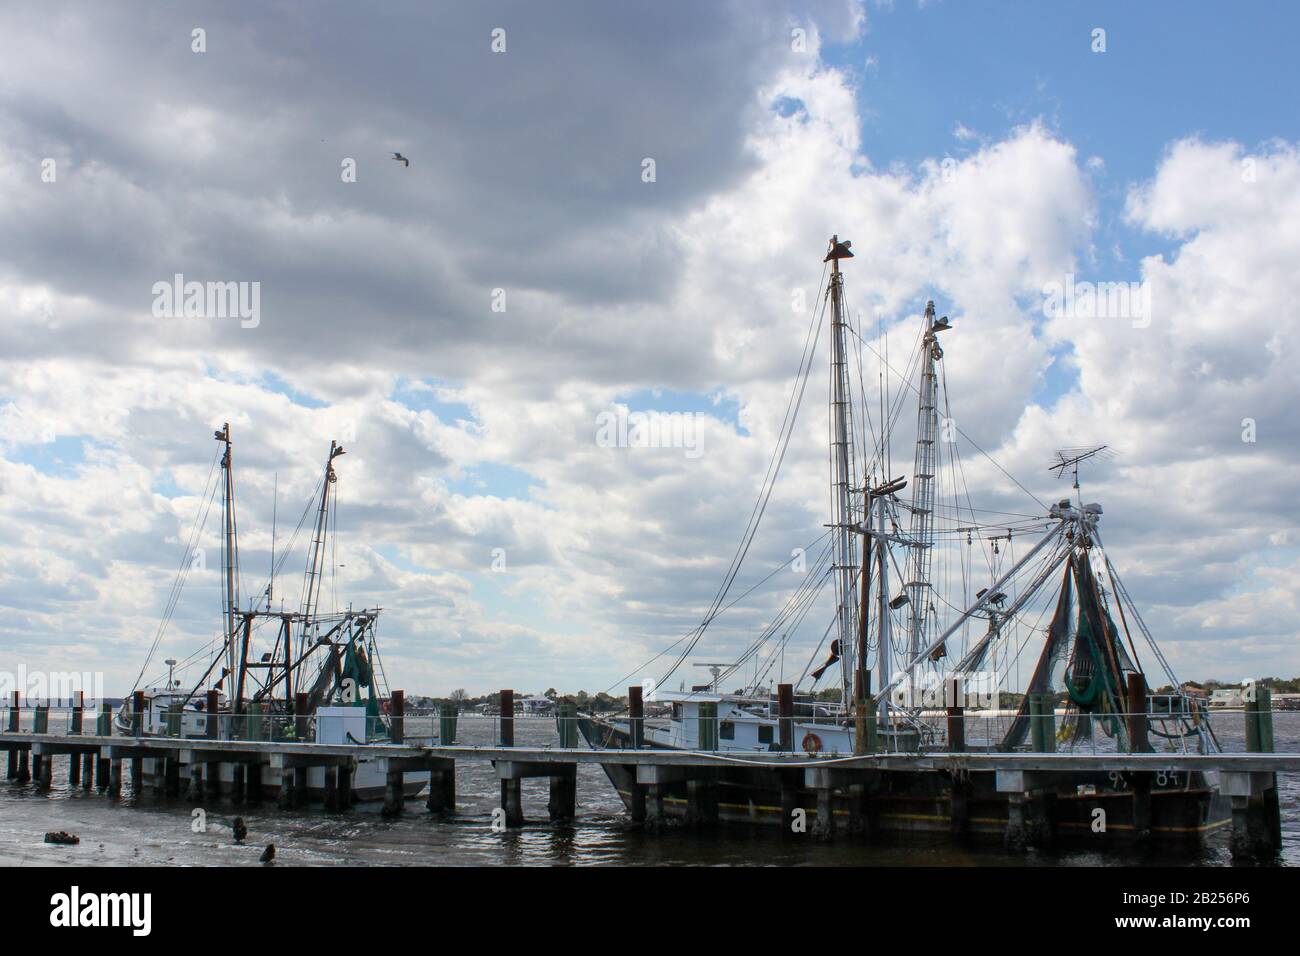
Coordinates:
[97,760]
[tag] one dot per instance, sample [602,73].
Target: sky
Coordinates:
[461,324]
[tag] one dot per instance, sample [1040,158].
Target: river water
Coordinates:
[148,830]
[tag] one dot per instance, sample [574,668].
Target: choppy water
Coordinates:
[149,830]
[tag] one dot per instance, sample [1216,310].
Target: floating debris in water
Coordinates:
[62,838]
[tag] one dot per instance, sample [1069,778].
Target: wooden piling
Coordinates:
[78,710]
[137,715]
[300,717]
[636,716]
[447,724]
[45,778]
[563,805]
[101,772]
[212,779]
[397,717]
[238,782]
[212,720]
[74,770]
[104,722]
[442,790]
[253,784]
[87,771]
[299,798]
[345,786]
[566,719]
[24,772]
[115,778]
[194,793]
[506,736]
[785,715]
[137,776]
[637,803]
[12,772]
[956,729]
[823,827]
[1137,714]
[172,777]
[331,788]
[285,798]
[701,803]
[512,801]
[394,796]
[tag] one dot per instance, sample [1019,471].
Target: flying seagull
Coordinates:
[401,159]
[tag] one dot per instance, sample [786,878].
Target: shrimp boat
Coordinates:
[936,603]
[302,674]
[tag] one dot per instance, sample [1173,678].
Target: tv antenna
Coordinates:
[1069,459]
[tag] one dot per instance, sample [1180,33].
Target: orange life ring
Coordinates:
[811,743]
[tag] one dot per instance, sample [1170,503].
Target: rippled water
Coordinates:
[148,830]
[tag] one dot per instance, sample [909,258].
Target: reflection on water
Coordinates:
[154,830]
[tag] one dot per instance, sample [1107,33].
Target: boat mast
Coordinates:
[229,549]
[316,561]
[842,525]
[921,528]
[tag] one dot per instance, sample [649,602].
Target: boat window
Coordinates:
[764,733]
[727,730]
[677,711]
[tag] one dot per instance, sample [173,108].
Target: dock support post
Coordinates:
[45,778]
[238,782]
[956,723]
[24,773]
[194,793]
[212,720]
[331,788]
[212,777]
[13,729]
[1256,814]
[172,776]
[1017,834]
[789,803]
[74,770]
[563,805]
[137,776]
[785,716]
[115,778]
[1141,783]
[701,803]
[87,771]
[654,806]
[40,725]
[636,716]
[285,799]
[137,713]
[823,827]
[442,790]
[394,797]
[959,804]
[636,803]
[299,796]
[158,774]
[101,772]
[708,728]
[253,784]
[345,786]
[512,802]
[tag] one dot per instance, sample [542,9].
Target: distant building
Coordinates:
[1224,698]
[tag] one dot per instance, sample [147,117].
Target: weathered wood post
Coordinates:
[1256,816]
[567,719]
[636,716]
[397,717]
[442,788]
[115,778]
[300,717]
[447,712]
[1042,722]
[506,706]
[395,797]
[956,717]
[1137,714]
[254,722]
[563,805]
[253,783]
[785,715]
[87,770]
[137,713]
[40,762]
[212,722]
[958,783]
[103,728]
[238,781]
[345,785]
[331,788]
[12,773]
[75,728]
[511,792]
[194,793]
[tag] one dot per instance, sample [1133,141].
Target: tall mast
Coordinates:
[229,549]
[316,561]
[843,528]
[921,529]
